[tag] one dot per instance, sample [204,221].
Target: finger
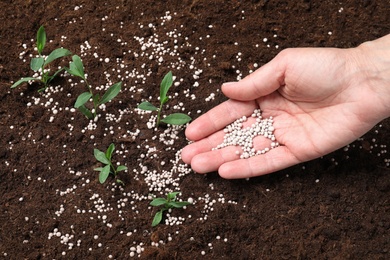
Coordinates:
[204,159]
[276,159]
[201,146]
[212,160]
[218,117]
[212,141]
[262,82]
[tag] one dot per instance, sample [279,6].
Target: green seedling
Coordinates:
[39,64]
[105,158]
[76,68]
[168,203]
[172,119]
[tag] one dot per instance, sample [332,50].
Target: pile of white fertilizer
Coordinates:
[237,135]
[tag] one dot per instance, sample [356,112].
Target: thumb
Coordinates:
[262,82]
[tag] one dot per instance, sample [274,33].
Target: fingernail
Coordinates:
[228,83]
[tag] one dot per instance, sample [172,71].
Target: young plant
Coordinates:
[172,119]
[39,64]
[168,203]
[105,158]
[76,68]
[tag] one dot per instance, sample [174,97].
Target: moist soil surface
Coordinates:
[52,204]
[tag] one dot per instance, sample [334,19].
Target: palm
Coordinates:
[308,131]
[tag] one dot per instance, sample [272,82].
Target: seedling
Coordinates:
[168,203]
[172,119]
[39,64]
[76,68]
[105,158]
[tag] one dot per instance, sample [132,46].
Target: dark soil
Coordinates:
[336,207]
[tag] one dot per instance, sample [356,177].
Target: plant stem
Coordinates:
[159,114]
[45,75]
[45,78]
[113,168]
[93,98]
[94,108]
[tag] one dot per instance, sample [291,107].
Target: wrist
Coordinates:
[372,64]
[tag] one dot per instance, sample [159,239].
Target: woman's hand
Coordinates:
[321,99]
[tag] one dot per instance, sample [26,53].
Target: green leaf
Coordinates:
[120,182]
[46,79]
[41,89]
[109,151]
[147,106]
[76,67]
[157,218]
[82,99]
[165,100]
[55,74]
[176,119]
[104,174]
[121,168]
[112,92]
[41,39]
[57,53]
[85,111]
[101,157]
[178,204]
[158,202]
[95,99]
[172,195]
[36,63]
[22,80]
[166,83]
[99,169]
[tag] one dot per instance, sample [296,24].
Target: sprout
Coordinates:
[76,68]
[172,119]
[39,64]
[105,158]
[168,203]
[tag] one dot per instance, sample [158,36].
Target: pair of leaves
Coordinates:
[83,98]
[76,68]
[111,93]
[172,119]
[40,62]
[102,157]
[165,85]
[105,158]
[168,203]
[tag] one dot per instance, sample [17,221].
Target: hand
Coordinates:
[321,99]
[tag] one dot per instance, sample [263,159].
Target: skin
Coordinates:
[321,99]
